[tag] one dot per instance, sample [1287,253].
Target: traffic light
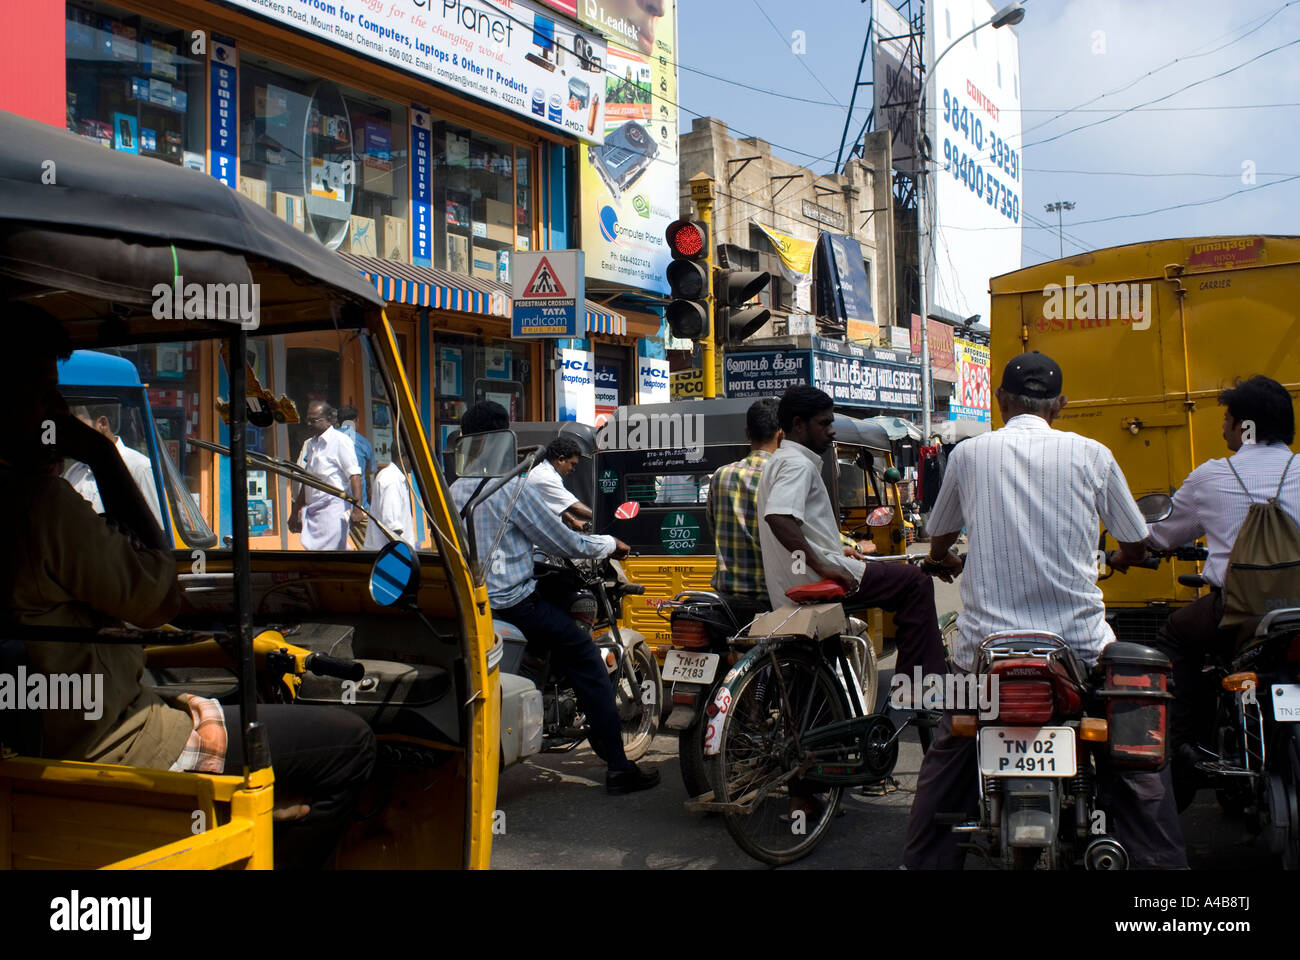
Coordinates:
[732,289]
[688,279]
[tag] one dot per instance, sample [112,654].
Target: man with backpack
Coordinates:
[1247,507]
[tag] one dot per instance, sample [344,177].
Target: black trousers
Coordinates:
[1188,636]
[1140,808]
[908,594]
[549,627]
[322,754]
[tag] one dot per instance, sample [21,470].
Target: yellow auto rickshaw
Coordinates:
[126,251]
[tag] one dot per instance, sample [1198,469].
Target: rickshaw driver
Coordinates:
[512,592]
[65,566]
[562,456]
[801,542]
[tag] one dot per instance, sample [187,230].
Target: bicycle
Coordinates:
[788,729]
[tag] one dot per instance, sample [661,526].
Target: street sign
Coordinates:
[550,297]
[687,384]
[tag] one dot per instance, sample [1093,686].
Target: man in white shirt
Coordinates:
[330,455]
[1031,499]
[390,502]
[562,457]
[800,536]
[140,467]
[1258,426]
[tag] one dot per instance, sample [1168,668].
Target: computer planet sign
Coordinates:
[550,294]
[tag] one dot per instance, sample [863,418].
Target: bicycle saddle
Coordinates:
[823,591]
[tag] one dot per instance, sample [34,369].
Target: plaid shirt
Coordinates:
[733,511]
[532,522]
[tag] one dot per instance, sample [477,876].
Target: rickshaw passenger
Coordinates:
[733,512]
[512,591]
[65,566]
[547,478]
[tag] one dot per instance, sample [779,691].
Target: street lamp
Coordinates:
[1056,208]
[1009,15]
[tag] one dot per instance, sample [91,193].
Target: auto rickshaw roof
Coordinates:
[538,433]
[864,433]
[90,368]
[723,419]
[88,234]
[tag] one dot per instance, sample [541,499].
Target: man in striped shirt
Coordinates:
[1032,499]
[733,511]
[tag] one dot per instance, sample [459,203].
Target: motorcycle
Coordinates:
[1055,730]
[1250,756]
[592,592]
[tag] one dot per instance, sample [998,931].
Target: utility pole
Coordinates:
[702,194]
[1056,208]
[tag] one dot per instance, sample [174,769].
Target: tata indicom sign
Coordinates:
[549,290]
[511,53]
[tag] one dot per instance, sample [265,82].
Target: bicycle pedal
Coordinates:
[880,788]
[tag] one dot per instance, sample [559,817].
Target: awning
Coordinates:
[399,282]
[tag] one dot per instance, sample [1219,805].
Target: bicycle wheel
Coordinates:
[784,818]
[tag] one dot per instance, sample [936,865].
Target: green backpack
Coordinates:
[1264,565]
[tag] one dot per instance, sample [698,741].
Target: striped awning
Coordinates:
[399,282]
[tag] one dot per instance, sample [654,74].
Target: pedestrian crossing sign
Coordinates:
[549,292]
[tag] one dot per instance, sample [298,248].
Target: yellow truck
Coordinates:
[1147,335]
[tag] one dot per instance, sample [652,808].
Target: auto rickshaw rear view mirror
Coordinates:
[1155,507]
[395,575]
[880,517]
[486,454]
[626,511]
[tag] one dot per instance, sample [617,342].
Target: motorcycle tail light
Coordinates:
[689,634]
[1136,694]
[1236,682]
[1025,701]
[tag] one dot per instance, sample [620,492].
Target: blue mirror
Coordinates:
[395,575]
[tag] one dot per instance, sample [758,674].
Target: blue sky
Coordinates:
[1235,132]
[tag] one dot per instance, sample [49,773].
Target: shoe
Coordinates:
[630,780]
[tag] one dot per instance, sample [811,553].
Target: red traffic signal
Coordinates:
[687,240]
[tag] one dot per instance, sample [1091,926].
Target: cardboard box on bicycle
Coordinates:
[810,620]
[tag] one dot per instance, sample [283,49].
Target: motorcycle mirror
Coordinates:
[880,517]
[486,454]
[395,575]
[1155,507]
[626,511]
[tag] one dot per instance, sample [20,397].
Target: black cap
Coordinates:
[1032,375]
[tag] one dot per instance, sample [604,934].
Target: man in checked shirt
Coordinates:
[733,511]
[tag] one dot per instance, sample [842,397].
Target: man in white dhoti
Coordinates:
[330,455]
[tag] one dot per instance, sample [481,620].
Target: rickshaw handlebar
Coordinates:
[325,666]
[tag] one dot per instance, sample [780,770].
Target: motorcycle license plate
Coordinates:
[690,667]
[1027,752]
[1286,702]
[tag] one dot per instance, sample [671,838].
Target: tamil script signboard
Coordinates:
[851,381]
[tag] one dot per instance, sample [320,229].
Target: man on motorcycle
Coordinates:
[801,541]
[511,589]
[733,511]
[1032,498]
[1258,427]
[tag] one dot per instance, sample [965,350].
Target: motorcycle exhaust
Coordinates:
[1105,853]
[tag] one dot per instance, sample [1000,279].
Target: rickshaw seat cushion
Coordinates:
[823,591]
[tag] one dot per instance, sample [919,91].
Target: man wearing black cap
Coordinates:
[1031,499]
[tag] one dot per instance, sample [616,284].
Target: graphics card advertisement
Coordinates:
[629,183]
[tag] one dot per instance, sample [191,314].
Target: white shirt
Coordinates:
[791,484]
[390,502]
[1032,499]
[137,464]
[333,458]
[546,480]
[1211,503]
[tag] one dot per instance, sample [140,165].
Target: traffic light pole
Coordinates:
[702,194]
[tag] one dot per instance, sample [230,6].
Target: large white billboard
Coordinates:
[973,122]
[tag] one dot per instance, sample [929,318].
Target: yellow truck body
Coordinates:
[1147,335]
